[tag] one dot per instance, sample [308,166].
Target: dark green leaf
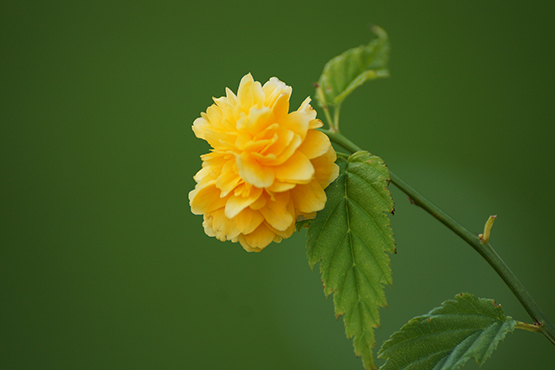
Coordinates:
[349,70]
[350,237]
[448,336]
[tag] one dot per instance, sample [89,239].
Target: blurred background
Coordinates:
[104,267]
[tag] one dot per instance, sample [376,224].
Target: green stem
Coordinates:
[483,248]
[535,328]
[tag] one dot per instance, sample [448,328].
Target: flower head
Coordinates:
[267,168]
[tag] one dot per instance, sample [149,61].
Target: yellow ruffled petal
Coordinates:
[236,204]
[258,239]
[249,94]
[257,120]
[274,90]
[280,107]
[260,202]
[307,109]
[278,186]
[248,220]
[296,169]
[228,179]
[206,200]
[325,168]
[315,144]
[315,123]
[309,198]
[276,214]
[286,233]
[223,227]
[297,122]
[253,172]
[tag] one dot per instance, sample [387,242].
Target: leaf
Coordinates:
[448,336]
[350,237]
[349,70]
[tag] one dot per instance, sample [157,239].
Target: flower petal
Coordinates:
[325,168]
[315,144]
[258,239]
[278,186]
[236,204]
[315,123]
[260,202]
[249,94]
[297,169]
[223,227]
[228,179]
[248,220]
[253,172]
[297,122]
[206,199]
[276,214]
[274,89]
[257,120]
[286,233]
[309,198]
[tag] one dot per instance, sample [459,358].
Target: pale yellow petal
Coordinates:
[207,224]
[248,220]
[230,95]
[228,179]
[285,233]
[253,172]
[278,186]
[206,199]
[307,108]
[325,168]
[236,204]
[246,246]
[260,202]
[259,238]
[281,106]
[257,120]
[286,153]
[274,89]
[214,115]
[309,198]
[249,94]
[297,122]
[223,227]
[276,214]
[297,169]
[200,126]
[315,144]
[315,123]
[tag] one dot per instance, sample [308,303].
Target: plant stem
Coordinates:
[528,327]
[483,248]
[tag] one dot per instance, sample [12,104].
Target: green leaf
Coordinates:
[350,237]
[448,336]
[349,70]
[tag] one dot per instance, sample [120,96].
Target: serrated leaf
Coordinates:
[448,336]
[349,238]
[349,70]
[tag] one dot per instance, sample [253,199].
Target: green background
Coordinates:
[104,267]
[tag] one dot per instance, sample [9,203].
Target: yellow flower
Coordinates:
[267,168]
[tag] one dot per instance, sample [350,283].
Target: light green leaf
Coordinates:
[448,336]
[350,237]
[349,70]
